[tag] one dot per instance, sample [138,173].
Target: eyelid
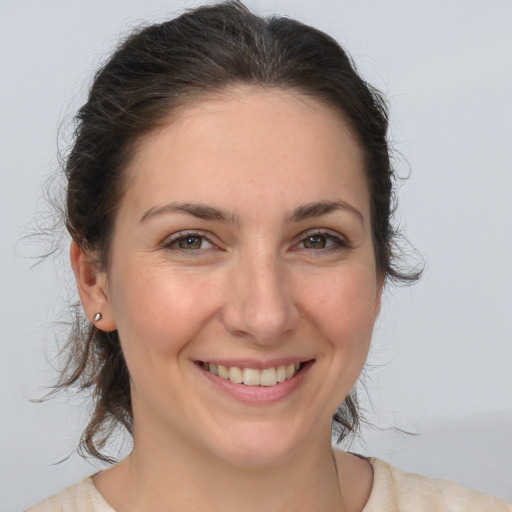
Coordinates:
[171,239]
[340,240]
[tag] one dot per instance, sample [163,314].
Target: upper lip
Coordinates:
[255,363]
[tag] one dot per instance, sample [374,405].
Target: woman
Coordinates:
[229,200]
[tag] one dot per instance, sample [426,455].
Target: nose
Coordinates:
[260,305]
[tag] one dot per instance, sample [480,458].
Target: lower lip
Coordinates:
[258,394]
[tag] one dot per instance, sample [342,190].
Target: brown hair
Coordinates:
[166,65]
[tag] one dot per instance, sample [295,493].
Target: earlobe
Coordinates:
[92,287]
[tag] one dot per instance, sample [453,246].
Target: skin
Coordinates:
[257,285]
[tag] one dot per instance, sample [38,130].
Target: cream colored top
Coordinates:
[393,491]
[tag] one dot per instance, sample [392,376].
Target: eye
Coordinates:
[188,242]
[318,241]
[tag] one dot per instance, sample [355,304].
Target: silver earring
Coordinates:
[97,317]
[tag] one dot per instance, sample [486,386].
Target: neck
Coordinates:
[175,476]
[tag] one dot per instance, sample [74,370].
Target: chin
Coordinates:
[258,446]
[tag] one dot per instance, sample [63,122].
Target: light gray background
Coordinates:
[441,360]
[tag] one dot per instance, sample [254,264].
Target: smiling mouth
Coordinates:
[266,377]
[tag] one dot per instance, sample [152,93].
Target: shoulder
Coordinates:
[80,497]
[396,491]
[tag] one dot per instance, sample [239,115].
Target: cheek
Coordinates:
[344,307]
[158,310]
[341,310]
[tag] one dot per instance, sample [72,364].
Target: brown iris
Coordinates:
[315,242]
[190,242]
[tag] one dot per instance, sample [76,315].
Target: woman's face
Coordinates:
[243,247]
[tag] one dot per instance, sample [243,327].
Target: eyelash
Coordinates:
[339,242]
[183,235]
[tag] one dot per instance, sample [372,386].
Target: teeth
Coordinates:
[223,372]
[235,375]
[268,377]
[281,373]
[251,376]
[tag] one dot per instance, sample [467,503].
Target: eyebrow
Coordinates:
[205,212]
[317,209]
[200,211]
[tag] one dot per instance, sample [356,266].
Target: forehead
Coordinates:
[247,140]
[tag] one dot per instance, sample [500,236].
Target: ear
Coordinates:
[92,287]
